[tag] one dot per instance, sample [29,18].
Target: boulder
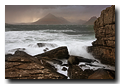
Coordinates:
[64,69]
[75,72]
[54,61]
[29,67]
[46,44]
[73,60]
[59,53]
[76,59]
[20,53]
[7,56]
[17,49]
[101,74]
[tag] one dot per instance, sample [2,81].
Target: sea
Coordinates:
[26,37]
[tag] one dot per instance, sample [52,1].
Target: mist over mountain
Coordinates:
[90,21]
[6,24]
[79,22]
[51,19]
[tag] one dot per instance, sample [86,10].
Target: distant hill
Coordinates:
[90,21]
[7,24]
[79,22]
[51,19]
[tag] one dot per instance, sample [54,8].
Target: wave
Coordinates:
[35,42]
[39,45]
[17,49]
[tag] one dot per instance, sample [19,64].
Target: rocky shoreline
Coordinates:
[21,65]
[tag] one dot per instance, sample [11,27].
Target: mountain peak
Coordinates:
[91,21]
[51,20]
[94,17]
[50,15]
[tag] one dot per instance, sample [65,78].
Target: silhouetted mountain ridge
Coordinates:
[90,21]
[51,19]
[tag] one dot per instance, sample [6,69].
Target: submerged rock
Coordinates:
[46,44]
[64,69]
[46,49]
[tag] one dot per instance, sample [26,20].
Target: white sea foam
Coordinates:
[29,40]
[59,67]
[95,66]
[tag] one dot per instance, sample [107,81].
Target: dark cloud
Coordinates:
[29,7]
[29,13]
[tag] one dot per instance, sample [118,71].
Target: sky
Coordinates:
[32,13]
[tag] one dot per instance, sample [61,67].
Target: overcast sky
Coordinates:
[31,13]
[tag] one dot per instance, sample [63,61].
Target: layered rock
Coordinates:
[21,65]
[104,47]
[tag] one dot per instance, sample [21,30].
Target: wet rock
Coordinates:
[64,69]
[22,66]
[17,49]
[20,53]
[54,61]
[105,54]
[75,72]
[46,44]
[7,56]
[45,50]
[77,59]
[65,65]
[59,53]
[73,60]
[100,74]
[48,65]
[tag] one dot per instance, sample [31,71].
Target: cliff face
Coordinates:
[104,47]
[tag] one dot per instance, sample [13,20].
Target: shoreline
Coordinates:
[20,59]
